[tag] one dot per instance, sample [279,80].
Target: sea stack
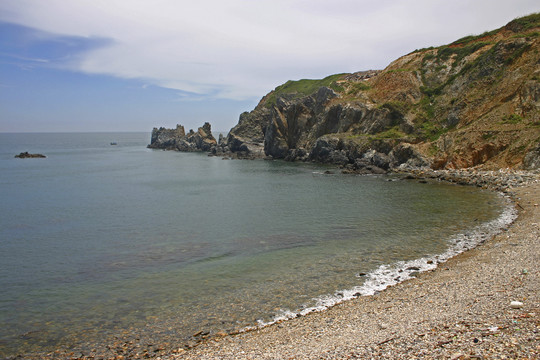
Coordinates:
[177,139]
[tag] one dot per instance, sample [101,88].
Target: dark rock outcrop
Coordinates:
[26,155]
[314,128]
[177,139]
[531,160]
[247,137]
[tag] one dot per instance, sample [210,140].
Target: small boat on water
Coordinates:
[114,143]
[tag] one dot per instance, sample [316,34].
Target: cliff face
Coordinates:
[475,102]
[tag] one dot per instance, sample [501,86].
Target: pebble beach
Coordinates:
[481,304]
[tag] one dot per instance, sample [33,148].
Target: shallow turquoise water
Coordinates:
[99,240]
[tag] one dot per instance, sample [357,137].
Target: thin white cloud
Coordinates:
[24,58]
[239,49]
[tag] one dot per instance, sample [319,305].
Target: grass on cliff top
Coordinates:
[473,38]
[304,87]
[524,23]
[517,25]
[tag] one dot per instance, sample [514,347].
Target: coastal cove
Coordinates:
[461,310]
[122,243]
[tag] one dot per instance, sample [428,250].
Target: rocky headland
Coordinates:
[474,103]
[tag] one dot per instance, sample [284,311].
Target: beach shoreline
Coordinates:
[462,309]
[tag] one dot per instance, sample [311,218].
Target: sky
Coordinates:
[131,65]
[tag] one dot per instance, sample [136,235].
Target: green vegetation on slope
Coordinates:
[304,87]
[460,52]
[488,67]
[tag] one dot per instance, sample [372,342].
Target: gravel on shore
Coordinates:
[482,304]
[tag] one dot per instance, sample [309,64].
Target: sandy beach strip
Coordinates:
[482,304]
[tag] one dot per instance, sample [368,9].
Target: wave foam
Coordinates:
[391,274]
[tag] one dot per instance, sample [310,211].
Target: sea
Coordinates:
[100,241]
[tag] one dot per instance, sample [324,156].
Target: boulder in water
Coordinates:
[27,155]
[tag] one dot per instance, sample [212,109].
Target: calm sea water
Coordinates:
[98,241]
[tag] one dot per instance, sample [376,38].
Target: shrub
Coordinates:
[471,38]
[446,52]
[517,53]
[392,133]
[398,109]
[431,131]
[356,87]
[512,119]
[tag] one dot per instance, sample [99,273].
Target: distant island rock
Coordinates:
[177,139]
[27,155]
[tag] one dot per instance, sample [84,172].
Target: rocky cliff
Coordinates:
[474,102]
[177,139]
